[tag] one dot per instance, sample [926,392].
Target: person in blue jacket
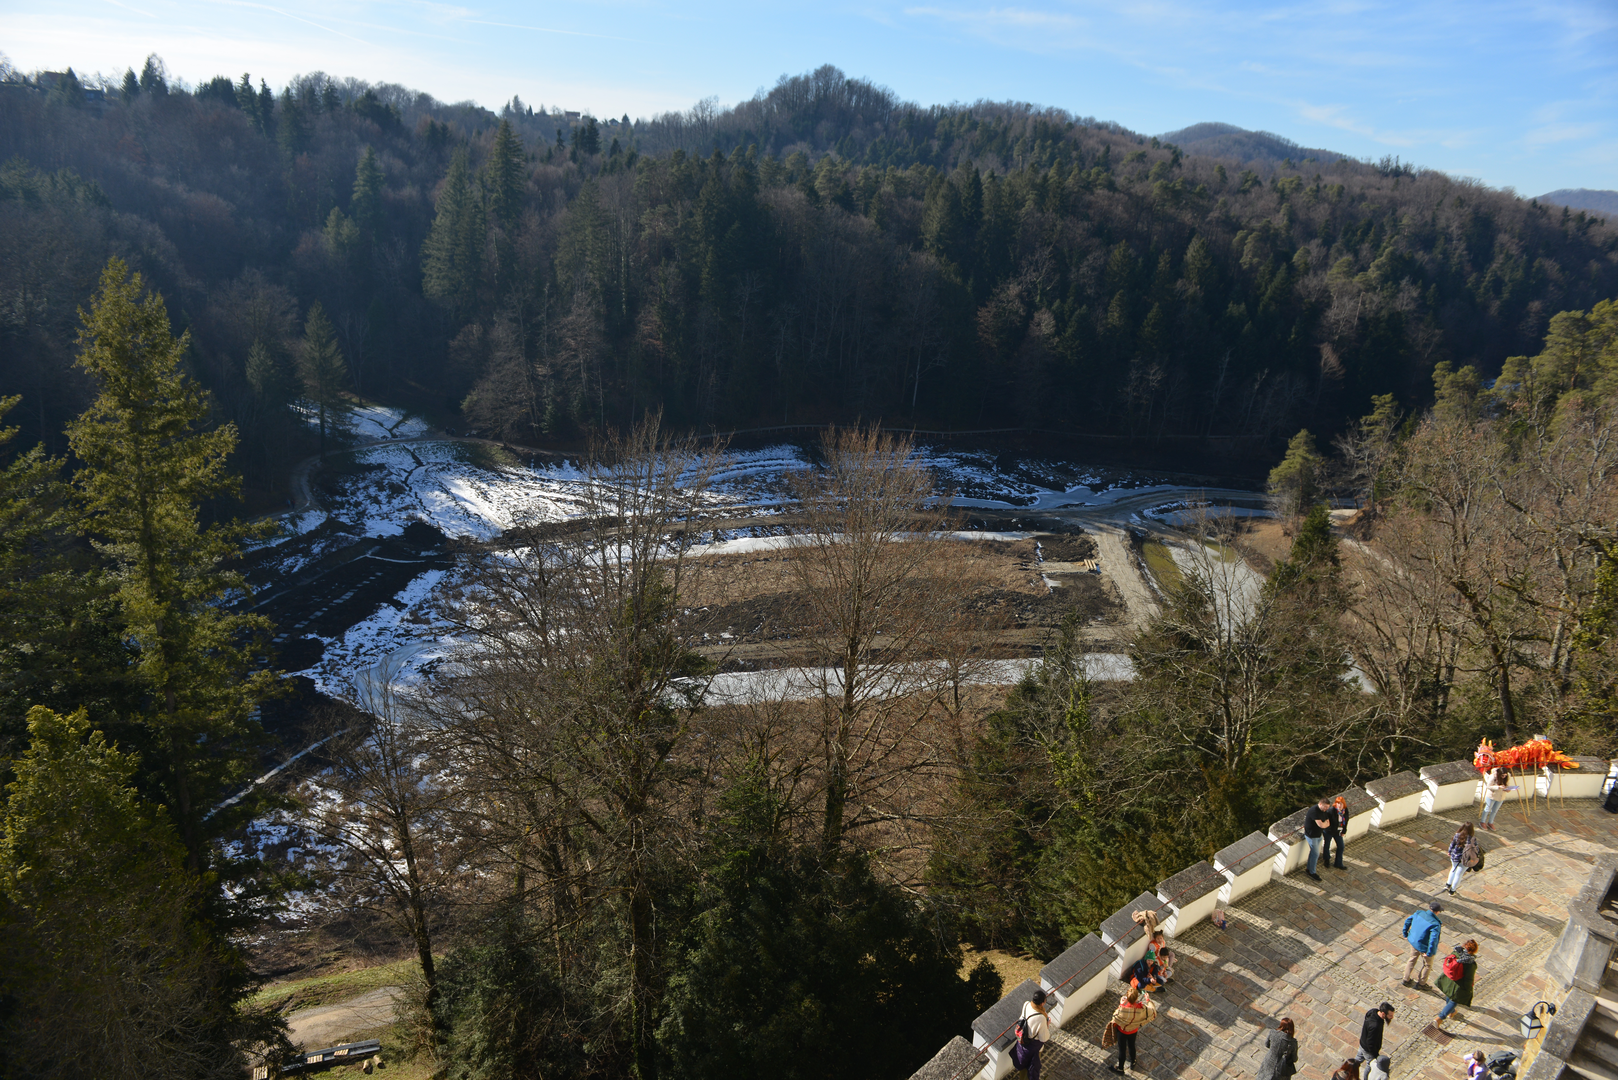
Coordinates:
[1422,930]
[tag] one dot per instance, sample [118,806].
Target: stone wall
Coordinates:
[1092,966]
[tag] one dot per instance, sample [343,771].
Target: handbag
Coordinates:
[1109,1035]
[1020,1055]
[1475,867]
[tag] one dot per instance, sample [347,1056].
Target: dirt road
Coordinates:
[313,1029]
[1112,549]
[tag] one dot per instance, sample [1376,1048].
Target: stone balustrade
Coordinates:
[1452,784]
[1190,896]
[1083,973]
[1398,798]
[1246,865]
[1077,977]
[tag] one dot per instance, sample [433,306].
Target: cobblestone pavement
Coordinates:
[1324,954]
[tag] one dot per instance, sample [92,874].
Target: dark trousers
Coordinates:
[1033,1061]
[1126,1047]
[1335,838]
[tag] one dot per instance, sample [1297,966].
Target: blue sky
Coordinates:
[1514,94]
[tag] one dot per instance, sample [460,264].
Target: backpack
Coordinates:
[1470,855]
[1454,970]
[1024,1038]
[1611,805]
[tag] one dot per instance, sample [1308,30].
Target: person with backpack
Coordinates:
[1135,1010]
[1348,1070]
[1380,1069]
[1495,787]
[1463,854]
[1460,971]
[1422,930]
[1033,1031]
[1281,1058]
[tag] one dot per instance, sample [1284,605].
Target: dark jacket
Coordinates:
[1313,815]
[1371,1034]
[1282,1059]
[1459,990]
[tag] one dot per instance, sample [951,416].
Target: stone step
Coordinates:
[1591,1068]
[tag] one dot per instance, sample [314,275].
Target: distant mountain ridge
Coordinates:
[1602,202]
[1230,141]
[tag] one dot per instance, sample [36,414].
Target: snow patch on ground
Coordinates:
[365,422]
[788,684]
[393,643]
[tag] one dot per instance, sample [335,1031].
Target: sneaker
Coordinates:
[1339,866]
[1408,982]
[1449,890]
[1317,877]
[1119,1069]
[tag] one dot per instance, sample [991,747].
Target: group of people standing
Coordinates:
[1325,825]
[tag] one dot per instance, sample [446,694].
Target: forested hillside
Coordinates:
[820,252]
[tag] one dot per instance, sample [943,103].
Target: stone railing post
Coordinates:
[1450,785]
[1398,798]
[1585,782]
[948,1062]
[1247,864]
[1287,836]
[1077,977]
[1191,896]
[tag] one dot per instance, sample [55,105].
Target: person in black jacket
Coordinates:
[1316,820]
[1376,1021]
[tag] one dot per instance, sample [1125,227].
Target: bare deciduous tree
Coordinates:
[875,568]
[573,699]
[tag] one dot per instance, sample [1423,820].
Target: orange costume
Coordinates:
[1531,755]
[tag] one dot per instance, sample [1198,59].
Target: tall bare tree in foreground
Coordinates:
[390,800]
[883,583]
[573,701]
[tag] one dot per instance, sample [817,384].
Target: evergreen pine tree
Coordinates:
[452,256]
[1294,484]
[247,98]
[366,205]
[154,76]
[105,967]
[149,464]
[131,89]
[504,177]
[266,107]
[323,370]
[265,375]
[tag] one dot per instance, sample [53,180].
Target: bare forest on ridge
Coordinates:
[821,252]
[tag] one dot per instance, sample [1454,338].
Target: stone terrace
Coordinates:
[1324,954]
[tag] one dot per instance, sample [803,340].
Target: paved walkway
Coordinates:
[1324,954]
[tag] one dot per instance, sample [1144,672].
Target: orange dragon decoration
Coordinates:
[1534,754]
